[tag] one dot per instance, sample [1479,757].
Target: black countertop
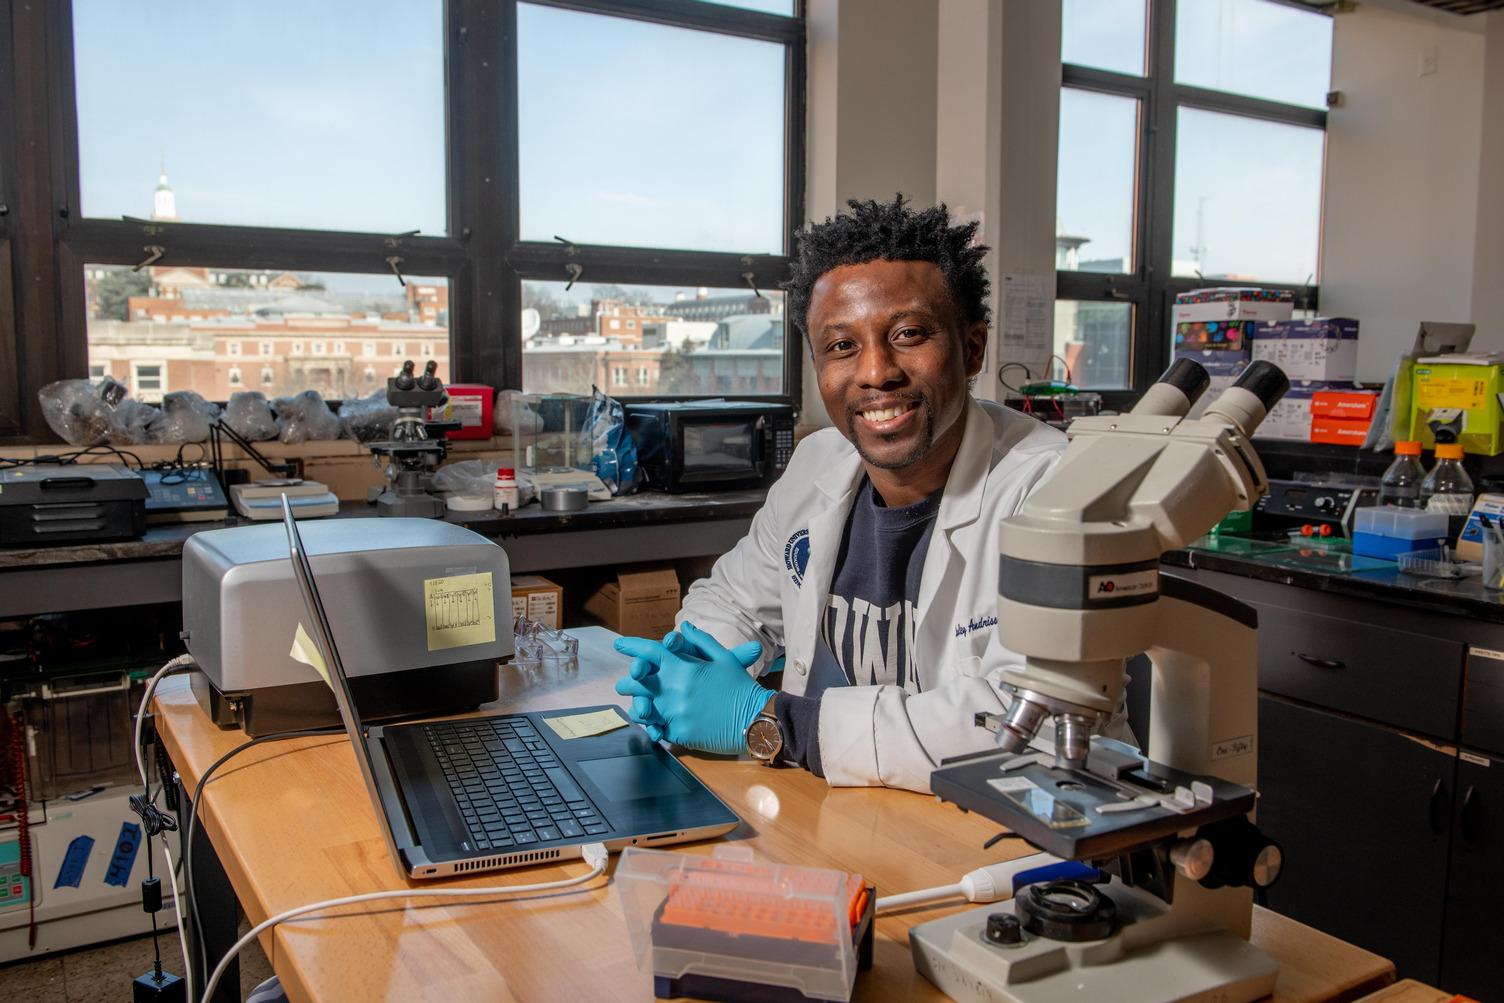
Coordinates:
[1341,574]
[166,541]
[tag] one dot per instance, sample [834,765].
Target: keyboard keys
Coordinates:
[595,828]
[569,827]
[547,832]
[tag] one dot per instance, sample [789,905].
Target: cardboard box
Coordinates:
[1347,405]
[1232,303]
[1463,388]
[1324,349]
[1339,432]
[1214,336]
[639,603]
[537,598]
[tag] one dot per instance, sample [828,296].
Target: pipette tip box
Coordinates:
[726,927]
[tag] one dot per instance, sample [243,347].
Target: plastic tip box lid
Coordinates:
[730,917]
[1401,523]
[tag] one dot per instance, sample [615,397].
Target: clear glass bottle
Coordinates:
[1447,488]
[1401,483]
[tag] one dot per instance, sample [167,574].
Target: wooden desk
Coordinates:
[292,824]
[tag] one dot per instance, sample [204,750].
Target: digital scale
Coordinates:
[262,500]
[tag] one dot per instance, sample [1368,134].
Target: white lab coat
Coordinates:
[766,589]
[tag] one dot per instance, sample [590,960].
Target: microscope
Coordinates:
[1158,902]
[417,445]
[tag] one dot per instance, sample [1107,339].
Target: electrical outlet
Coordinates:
[1430,61]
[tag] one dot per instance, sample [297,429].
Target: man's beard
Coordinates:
[921,447]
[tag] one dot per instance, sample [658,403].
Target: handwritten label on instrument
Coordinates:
[460,611]
[584,725]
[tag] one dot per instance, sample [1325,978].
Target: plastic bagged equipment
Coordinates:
[368,419]
[305,417]
[131,422]
[79,410]
[186,417]
[249,416]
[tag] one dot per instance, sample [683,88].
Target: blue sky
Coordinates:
[1256,185]
[330,115]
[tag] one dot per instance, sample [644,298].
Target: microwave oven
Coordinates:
[709,444]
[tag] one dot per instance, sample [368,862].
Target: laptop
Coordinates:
[505,790]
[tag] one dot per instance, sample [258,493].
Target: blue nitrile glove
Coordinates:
[692,690]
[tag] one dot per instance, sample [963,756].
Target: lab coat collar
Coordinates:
[966,485]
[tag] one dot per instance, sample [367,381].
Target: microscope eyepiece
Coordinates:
[1174,393]
[1264,380]
[1189,377]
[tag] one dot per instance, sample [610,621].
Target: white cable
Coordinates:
[151,687]
[595,855]
[992,883]
[177,907]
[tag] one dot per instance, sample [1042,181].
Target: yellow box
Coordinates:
[1446,387]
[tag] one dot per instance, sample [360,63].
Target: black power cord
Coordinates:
[198,792]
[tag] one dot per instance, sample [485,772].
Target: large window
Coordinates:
[289,195]
[1192,140]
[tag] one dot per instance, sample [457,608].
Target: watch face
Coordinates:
[764,739]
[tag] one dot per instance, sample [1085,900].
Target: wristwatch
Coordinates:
[764,736]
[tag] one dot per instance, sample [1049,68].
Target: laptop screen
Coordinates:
[323,638]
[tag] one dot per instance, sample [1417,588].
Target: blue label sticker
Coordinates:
[72,870]
[124,858]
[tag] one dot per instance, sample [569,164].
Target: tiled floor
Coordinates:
[104,974]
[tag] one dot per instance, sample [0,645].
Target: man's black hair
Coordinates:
[891,231]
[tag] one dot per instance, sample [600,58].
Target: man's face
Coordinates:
[892,357]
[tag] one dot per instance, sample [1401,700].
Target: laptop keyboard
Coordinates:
[509,785]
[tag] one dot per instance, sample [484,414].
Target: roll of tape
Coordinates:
[565,499]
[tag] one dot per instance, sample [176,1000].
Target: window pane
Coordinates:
[642,135]
[1095,339]
[641,341]
[1095,194]
[277,113]
[219,330]
[1247,198]
[1105,34]
[1255,47]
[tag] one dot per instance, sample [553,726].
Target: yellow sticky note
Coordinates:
[305,651]
[460,611]
[582,725]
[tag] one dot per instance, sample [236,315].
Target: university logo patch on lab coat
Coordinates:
[796,555]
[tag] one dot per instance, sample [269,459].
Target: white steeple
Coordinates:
[164,203]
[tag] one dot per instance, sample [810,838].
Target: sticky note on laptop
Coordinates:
[594,722]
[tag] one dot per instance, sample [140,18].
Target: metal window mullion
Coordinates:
[693,14]
[1151,344]
[1249,107]
[1093,79]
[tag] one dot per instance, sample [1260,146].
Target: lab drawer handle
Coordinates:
[1438,809]
[1320,663]
[1469,814]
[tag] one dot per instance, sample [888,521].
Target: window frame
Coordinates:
[1151,287]
[44,324]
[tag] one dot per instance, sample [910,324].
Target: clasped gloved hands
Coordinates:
[691,690]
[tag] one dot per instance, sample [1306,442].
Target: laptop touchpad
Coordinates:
[631,778]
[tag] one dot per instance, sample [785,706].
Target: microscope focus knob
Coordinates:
[1005,929]
[1245,857]
[1193,858]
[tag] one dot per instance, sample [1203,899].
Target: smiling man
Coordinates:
[873,565]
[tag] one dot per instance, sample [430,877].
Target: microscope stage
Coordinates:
[1080,814]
